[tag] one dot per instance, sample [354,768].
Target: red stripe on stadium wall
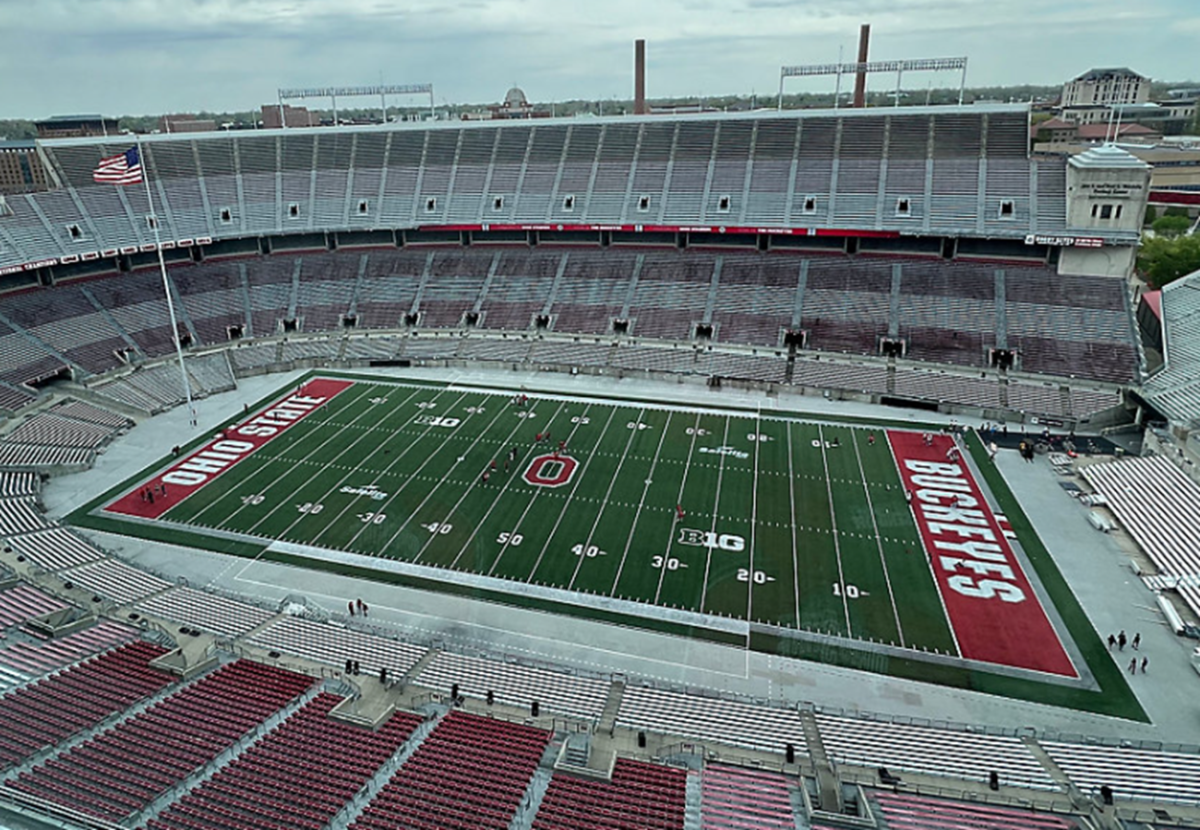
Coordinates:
[996,616]
[191,473]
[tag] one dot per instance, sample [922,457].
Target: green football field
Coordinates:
[788,534]
[798,524]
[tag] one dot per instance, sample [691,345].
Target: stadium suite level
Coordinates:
[667,514]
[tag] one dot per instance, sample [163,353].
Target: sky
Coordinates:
[121,57]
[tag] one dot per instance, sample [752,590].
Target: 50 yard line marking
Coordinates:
[642,503]
[795,552]
[579,477]
[837,547]
[758,436]
[878,541]
[715,514]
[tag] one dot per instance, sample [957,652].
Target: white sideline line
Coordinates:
[887,577]
[642,503]
[795,552]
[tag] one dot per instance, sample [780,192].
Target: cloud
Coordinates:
[143,56]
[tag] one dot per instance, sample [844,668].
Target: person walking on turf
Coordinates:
[1121,640]
[1145,662]
[1137,640]
[1133,666]
[1112,641]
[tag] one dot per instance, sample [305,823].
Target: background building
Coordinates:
[275,116]
[186,124]
[75,126]
[20,168]
[1106,87]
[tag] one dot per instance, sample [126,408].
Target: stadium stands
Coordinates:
[902,810]
[471,773]
[37,660]
[732,798]
[931,751]
[1160,507]
[207,611]
[516,685]
[709,719]
[639,797]
[55,549]
[276,784]
[333,644]
[79,697]
[1132,773]
[123,769]
[24,602]
[114,579]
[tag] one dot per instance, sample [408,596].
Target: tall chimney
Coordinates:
[860,79]
[639,77]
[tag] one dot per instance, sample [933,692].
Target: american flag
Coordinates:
[123,168]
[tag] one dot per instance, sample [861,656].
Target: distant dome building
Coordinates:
[515,105]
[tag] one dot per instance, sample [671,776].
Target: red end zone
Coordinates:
[192,472]
[996,616]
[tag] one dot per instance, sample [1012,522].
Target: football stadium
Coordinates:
[794,469]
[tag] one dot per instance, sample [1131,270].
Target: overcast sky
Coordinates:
[152,56]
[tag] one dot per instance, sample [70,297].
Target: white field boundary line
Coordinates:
[507,587]
[937,589]
[579,477]
[666,555]
[887,577]
[530,450]
[716,515]
[795,552]
[413,476]
[355,472]
[532,501]
[604,503]
[837,547]
[641,503]
[197,518]
[470,488]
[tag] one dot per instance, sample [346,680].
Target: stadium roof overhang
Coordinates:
[1175,390]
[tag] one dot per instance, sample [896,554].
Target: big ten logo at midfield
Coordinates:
[550,471]
[711,539]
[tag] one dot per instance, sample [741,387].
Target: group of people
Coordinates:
[358,605]
[150,489]
[1120,641]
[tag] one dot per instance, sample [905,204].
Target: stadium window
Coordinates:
[903,206]
[1007,208]
[497,203]
[431,204]
[362,207]
[568,203]
[723,204]
[74,232]
[1095,211]
[293,210]
[1106,211]
[151,222]
[1117,213]
[643,204]
[226,215]
[810,204]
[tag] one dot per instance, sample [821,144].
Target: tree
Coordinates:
[1171,225]
[1165,259]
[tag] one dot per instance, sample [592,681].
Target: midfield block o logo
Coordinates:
[548,471]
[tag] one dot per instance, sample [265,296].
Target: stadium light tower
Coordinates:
[899,67]
[332,92]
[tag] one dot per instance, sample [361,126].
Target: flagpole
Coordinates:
[162,267]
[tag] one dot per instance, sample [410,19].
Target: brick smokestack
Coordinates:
[860,79]
[639,77]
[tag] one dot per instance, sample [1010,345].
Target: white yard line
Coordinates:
[537,492]
[413,477]
[470,488]
[262,470]
[604,504]
[878,541]
[337,484]
[795,552]
[758,438]
[641,503]
[837,547]
[715,517]
[578,479]
[666,555]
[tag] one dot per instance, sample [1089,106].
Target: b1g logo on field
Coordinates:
[548,471]
[708,539]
